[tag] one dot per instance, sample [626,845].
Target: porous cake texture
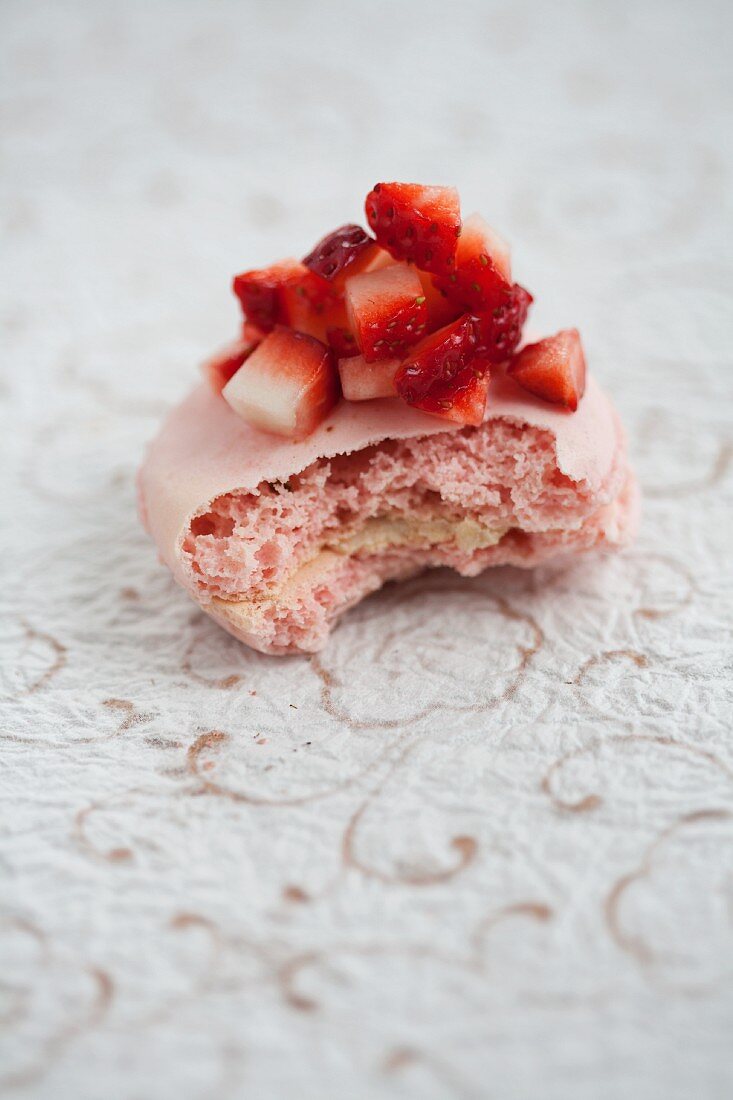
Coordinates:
[289,557]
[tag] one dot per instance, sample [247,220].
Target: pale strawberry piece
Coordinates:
[463,399]
[483,271]
[416,223]
[553,368]
[362,381]
[386,311]
[288,385]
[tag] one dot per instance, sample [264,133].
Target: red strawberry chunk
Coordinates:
[416,223]
[462,399]
[346,251]
[342,342]
[288,385]
[253,333]
[386,311]
[553,368]
[500,330]
[483,274]
[310,304]
[260,291]
[441,311]
[437,360]
[289,294]
[362,381]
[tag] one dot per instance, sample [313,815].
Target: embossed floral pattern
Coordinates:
[482,845]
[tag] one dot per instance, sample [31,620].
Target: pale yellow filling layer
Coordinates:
[383,533]
[374,536]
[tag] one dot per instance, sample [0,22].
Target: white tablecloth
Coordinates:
[482,847]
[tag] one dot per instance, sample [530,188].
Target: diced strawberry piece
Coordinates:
[379,259]
[260,291]
[342,342]
[437,359]
[288,385]
[553,368]
[441,311]
[463,398]
[386,311]
[252,332]
[483,273]
[225,364]
[362,381]
[500,330]
[310,304]
[416,223]
[347,251]
[289,294]
[337,251]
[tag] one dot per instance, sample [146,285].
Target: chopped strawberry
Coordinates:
[252,332]
[379,259]
[260,291]
[416,223]
[463,398]
[342,342]
[439,358]
[361,381]
[386,311]
[553,368]
[224,365]
[500,330]
[441,311]
[289,294]
[310,304]
[347,251]
[288,385]
[483,273]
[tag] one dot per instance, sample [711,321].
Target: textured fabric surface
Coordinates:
[482,846]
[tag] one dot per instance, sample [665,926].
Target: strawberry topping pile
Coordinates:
[424,310]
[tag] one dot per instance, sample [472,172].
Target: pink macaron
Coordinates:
[381,413]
